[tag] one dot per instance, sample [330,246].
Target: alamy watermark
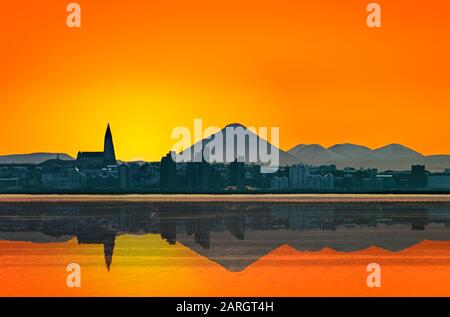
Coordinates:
[233,143]
[73,280]
[374,278]
[73,19]
[374,17]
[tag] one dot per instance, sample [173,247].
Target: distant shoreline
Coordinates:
[231,198]
[256,192]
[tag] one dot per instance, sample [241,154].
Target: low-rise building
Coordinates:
[439,182]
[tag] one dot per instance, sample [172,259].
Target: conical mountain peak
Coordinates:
[235,125]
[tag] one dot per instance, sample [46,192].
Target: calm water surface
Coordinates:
[224,246]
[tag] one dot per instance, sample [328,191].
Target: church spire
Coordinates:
[108,152]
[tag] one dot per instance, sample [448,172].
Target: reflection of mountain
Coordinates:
[231,234]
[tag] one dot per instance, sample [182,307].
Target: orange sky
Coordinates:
[313,68]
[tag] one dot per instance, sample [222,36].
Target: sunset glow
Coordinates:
[313,68]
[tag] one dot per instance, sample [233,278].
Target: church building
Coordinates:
[98,160]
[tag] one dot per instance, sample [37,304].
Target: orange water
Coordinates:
[148,266]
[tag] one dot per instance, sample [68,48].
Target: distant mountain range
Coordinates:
[390,157]
[33,158]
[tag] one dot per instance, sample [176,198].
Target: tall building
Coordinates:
[328,182]
[168,172]
[237,173]
[98,160]
[200,176]
[298,175]
[418,176]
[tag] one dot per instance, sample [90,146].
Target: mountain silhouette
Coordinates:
[397,151]
[238,149]
[351,150]
[389,157]
[33,158]
[309,152]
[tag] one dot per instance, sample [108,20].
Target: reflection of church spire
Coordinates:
[108,248]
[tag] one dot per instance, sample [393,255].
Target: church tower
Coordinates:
[108,151]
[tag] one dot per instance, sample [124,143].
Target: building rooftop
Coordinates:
[82,155]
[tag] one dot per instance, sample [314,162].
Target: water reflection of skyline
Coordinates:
[231,234]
